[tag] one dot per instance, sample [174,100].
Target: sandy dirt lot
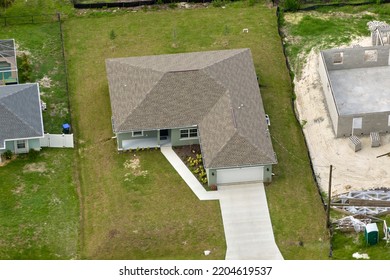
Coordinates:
[352,171]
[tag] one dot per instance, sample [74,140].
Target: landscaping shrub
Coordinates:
[7,154]
[196,166]
[25,69]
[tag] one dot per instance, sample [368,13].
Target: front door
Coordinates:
[164,133]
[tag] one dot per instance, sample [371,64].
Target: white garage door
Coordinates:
[235,175]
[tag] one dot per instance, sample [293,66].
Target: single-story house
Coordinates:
[21,123]
[208,98]
[8,64]
[356,85]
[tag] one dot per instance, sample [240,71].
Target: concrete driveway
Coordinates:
[246,220]
[247,224]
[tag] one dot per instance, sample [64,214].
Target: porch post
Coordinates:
[158,137]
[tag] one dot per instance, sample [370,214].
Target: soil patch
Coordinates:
[135,166]
[35,167]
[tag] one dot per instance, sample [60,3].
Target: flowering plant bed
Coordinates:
[192,157]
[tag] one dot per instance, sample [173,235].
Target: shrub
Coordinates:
[291,5]
[172,5]
[6,3]
[218,3]
[25,69]
[8,154]
[112,35]
[33,154]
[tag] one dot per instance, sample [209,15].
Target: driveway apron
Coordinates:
[247,224]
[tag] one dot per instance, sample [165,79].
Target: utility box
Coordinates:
[371,234]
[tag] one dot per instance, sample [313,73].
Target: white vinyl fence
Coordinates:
[57,141]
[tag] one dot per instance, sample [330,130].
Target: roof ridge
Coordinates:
[240,51]
[227,93]
[17,116]
[122,62]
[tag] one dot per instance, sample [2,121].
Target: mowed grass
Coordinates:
[159,217]
[37,7]
[39,210]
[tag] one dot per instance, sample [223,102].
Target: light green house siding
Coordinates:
[31,144]
[10,145]
[267,177]
[176,141]
[34,144]
[211,176]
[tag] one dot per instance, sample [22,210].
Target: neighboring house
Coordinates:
[8,65]
[356,85]
[21,124]
[208,98]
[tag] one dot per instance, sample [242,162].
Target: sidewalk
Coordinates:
[187,175]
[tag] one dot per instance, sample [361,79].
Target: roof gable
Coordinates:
[239,150]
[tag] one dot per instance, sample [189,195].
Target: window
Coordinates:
[370,56]
[138,133]
[188,133]
[338,58]
[21,144]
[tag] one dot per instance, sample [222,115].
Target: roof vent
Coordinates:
[234,118]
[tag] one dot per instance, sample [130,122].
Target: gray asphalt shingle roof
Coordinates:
[20,112]
[215,90]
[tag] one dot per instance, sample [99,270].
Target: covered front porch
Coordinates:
[143,139]
[133,144]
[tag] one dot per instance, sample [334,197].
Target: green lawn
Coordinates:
[39,210]
[159,217]
[37,7]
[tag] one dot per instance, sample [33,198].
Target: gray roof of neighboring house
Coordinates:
[20,112]
[215,90]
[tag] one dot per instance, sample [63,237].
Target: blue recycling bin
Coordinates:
[66,128]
